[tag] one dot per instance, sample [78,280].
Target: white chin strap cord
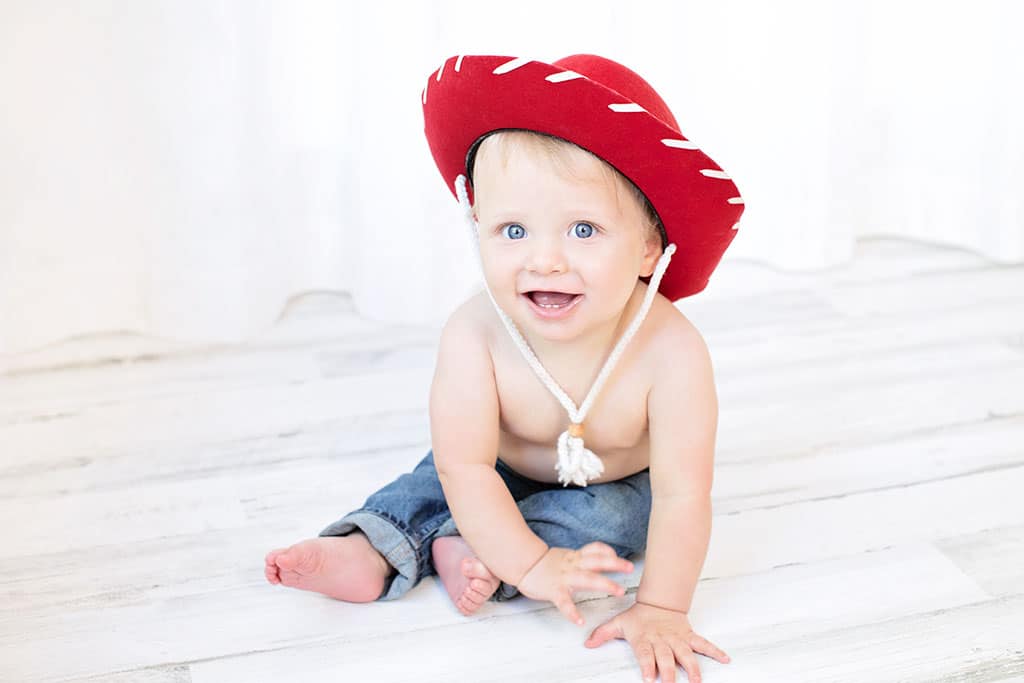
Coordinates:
[576,464]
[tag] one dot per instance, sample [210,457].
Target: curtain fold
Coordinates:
[181,169]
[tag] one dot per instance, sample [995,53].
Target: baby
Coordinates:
[581,187]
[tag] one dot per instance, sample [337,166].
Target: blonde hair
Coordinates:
[561,152]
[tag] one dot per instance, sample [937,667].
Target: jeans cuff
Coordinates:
[389,541]
[505,592]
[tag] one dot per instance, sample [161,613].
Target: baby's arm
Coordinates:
[464,436]
[682,408]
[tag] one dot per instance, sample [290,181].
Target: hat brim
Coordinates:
[699,205]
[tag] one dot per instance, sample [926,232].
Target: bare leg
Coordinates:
[468,582]
[342,567]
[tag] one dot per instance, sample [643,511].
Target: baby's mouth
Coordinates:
[552,300]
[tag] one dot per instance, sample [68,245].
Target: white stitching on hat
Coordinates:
[458,63]
[563,76]
[509,66]
[735,200]
[678,144]
[714,173]
[424,95]
[441,70]
[626,107]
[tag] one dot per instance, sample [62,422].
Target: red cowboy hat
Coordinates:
[612,112]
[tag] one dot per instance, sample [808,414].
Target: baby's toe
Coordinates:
[480,588]
[270,569]
[290,578]
[467,605]
[302,558]
[285,560]
[474,569]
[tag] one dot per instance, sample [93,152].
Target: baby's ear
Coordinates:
[652,252]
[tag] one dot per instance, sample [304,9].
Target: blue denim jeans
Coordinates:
[402,519]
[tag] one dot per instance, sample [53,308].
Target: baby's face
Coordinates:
[545,229]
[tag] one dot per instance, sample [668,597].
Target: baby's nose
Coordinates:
[547,256]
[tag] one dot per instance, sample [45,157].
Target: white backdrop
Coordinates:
[182,168]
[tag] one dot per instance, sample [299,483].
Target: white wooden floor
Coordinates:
[869,494]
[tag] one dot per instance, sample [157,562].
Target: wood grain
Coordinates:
[868,523]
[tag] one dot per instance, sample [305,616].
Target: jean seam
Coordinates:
[416,540]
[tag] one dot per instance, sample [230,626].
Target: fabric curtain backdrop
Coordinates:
[182,168]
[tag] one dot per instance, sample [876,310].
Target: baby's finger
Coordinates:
[689,662]
[667,664]
[606,564]
[567,607]
[705,646]
[645,658]
[597,582]
[597,549]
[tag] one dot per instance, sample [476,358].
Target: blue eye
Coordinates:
[587,230]
[514,231]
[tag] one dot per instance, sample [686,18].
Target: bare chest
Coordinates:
[531,418]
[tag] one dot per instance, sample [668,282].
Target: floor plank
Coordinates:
[867,521]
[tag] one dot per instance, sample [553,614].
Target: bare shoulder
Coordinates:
[463,393]
[675,340]
[680,362]
[466,337]
[473,316]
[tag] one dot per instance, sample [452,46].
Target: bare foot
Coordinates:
[342,567]
[468,582]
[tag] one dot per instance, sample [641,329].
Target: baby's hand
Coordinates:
[561,571]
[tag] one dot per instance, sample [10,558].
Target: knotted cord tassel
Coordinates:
[576,464]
